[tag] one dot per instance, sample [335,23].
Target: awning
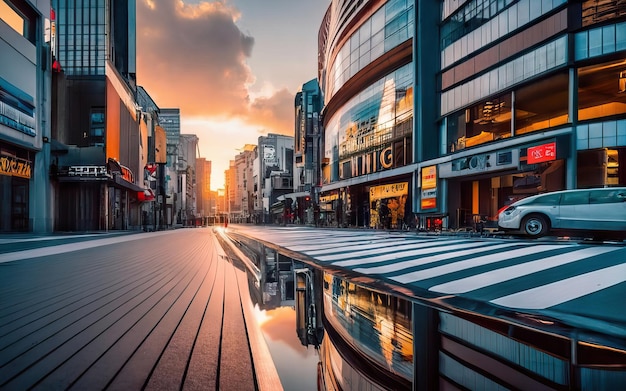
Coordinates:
[121,182]
[294,196]
[145,196]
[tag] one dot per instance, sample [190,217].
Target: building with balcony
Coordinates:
[25,69]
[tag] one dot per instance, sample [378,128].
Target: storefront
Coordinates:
[15,174]
[478,186]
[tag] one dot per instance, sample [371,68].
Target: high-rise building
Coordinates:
[25,66]
[367,73]
[189,176]
[307,149]
[242,205]
[532,100]
[275,176]
[95,118]
[203,189]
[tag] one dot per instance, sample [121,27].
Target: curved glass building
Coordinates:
[367,74]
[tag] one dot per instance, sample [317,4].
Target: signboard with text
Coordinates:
[542,153]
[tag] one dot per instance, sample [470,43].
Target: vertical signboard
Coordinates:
[160,144]
[429,187]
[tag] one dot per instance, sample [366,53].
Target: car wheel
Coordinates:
[535,226]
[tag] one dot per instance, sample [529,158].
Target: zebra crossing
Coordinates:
[582,279]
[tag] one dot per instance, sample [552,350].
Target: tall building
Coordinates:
[188,175]
[96,133]
[367,74]
[203,189]
[532,100]
[25,67]
[307,150]
[169,120]
[275,177]
[242,207]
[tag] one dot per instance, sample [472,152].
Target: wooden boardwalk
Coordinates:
[164,311]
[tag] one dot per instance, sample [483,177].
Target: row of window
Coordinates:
[547,57]
[387,28]
[600,41]
[370,120]
[543,105]
[82,50]
[510,19]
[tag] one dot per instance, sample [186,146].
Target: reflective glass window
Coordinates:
[601,90]
[387,28]
[542,105]
[485,21]
[553,55]
[360,136]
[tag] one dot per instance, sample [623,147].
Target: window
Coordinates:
[20,17]
[600,93]
[606,196]
[96,128]
[575,198]
[549,199]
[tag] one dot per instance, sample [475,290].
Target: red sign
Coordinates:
[542,153]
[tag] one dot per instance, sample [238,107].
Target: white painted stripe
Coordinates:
[562,291]
[314,245]
[508,273]
[394,250]
[365,245]
[472,262]
[392,267]
[46,238]
[66,248]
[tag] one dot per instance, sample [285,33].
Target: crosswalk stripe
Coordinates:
[472,262]
[393,267]
[492,277]
[393,250]
[559,292]
[312,250]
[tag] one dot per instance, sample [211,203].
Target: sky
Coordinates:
[233,67]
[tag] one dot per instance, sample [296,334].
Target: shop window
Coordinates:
[482,123]
[542,105]
[601,90]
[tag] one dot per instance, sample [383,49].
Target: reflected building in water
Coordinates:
[372,335]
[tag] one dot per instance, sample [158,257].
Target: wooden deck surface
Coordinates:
[164,311]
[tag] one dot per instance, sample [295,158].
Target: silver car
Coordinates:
[601,210]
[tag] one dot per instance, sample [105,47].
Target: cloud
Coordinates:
[194,56]
[275,112]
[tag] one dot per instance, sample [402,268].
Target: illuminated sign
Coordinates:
[13,166]
[429,177]
[388,191]
[542,153]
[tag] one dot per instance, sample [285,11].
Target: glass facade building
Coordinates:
[367,78]
[521,79]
